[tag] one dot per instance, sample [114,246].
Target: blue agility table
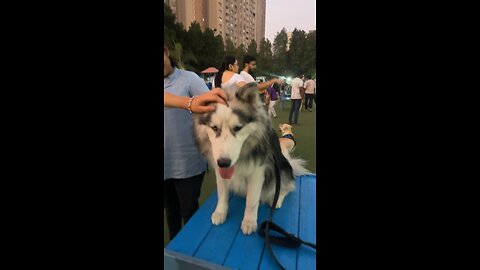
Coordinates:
[206,246]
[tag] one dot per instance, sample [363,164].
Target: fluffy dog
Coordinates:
[244,149]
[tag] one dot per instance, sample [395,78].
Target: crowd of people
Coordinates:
[185,93]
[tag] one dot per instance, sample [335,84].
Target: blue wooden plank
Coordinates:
[226,244]
[287,218]
[192,235]
[220,238]
[308,222]
[247,250]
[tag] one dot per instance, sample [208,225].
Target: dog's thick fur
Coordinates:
[242,134]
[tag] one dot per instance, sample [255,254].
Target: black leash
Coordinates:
[287,240]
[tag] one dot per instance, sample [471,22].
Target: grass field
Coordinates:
[304,135]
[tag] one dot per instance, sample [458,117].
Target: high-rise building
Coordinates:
[239,20]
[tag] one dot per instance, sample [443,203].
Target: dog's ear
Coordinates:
[248,93]
[280,126]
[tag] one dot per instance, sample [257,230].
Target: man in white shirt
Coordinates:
[249,66]
[309,93]
[296,99]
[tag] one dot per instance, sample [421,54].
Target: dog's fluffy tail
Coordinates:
[298,165]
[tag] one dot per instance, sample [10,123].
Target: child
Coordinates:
[272,92]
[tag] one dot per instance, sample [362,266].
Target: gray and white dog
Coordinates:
[240,143]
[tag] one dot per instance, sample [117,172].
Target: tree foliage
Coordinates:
[240,52]
[280,52]
[252,48]
[295,55]
[229,48]
[265,56]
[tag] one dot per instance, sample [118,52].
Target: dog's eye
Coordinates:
[237,128]
[215,128]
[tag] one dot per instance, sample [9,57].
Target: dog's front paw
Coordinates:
[249,226]
[279,204]
[218,218]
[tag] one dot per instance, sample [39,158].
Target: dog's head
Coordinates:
[228,127]
[285,129]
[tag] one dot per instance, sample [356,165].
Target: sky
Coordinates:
[289,14]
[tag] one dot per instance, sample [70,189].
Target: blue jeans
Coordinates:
[294,109]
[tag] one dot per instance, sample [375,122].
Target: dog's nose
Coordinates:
[224,162]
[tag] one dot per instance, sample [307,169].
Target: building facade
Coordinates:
[241,21]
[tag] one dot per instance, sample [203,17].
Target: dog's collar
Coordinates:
[290,136]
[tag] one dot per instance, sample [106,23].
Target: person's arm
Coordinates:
[302,88]
[198,104]
[240,83]
[265,85]
[173,101]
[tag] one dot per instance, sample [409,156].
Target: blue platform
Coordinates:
[226,245]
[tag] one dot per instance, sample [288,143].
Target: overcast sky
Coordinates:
[289,14]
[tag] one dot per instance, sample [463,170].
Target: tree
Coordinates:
[265,57]
[170,27]
[295,55]
[240,52]
[219,50]
[252,48]
[229,47]
[194,42]
[310,54]
[280,52]
[208,50]
[183,59]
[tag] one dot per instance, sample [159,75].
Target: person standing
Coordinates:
[228,74]
[309,93]
[184,166]
[296,99]
[250,66]
[273,93]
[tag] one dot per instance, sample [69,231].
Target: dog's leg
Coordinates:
[254,191]
[220,214]
[281,197]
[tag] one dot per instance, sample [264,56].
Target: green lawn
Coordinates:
[304,135]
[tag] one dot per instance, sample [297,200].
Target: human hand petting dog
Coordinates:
[199,104]
[196,104]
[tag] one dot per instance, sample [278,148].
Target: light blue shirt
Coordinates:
[181,158]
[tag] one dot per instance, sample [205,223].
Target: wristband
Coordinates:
[190,104]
